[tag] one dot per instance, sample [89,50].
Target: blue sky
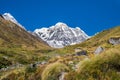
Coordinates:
[90,15]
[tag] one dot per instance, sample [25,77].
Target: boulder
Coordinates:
[32,65]
[44,62]
[62,75]
[99,50]
[82,52]
[114,40]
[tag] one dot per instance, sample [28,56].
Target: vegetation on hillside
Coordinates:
[53,71]
[105,66]
[25,57]
[19,46]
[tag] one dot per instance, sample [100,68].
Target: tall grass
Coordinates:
[53,71]
[101,67]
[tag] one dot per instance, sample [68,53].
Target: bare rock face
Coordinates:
[99,50]
[114,40]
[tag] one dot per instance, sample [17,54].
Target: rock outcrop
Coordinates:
[114,40]
[99,50]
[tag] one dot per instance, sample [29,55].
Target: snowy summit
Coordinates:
[61,35]
[8,16]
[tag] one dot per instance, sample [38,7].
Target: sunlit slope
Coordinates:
[100,39]
[11,35]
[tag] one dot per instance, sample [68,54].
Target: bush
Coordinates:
[38,73]
[53,71]
[31,68]
[14,76]
[100,67]
[4,62]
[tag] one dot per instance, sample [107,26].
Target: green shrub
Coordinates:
[100,67]
[30,69]
[14,76]
[4,62]
[52,71]
[71,75]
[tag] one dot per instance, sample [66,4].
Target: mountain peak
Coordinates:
[8,16]
[60,24]
[61,35]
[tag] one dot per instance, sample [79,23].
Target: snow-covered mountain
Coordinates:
[8,16]
[61,35]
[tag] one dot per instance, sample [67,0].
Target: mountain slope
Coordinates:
[61,35]
[8,16]
[17,46]
[103,66]
[11,34]
[100,39]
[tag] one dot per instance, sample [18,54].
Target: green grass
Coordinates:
[101,39]
[25,49]
[101,67]
[52,71]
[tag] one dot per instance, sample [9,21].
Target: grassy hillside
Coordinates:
[24,57]
[11,35]
[100,39]
[17,46]
[105,66]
